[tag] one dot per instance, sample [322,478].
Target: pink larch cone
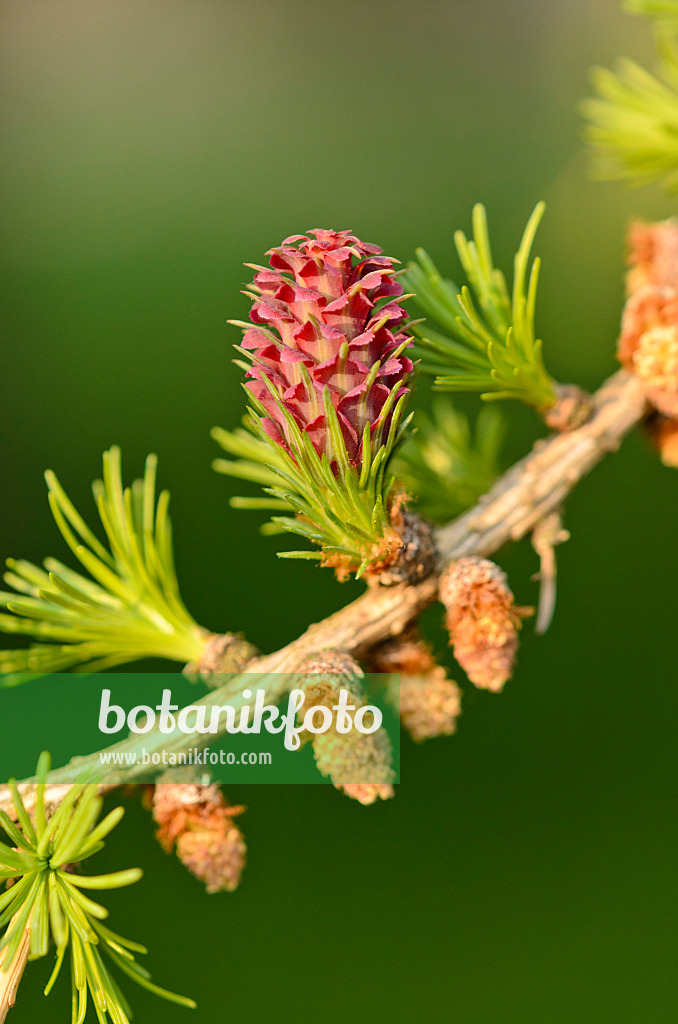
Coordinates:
[325,318]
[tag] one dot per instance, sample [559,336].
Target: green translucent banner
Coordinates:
[121,728]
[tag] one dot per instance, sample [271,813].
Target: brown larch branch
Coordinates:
[10,975]
[530,490]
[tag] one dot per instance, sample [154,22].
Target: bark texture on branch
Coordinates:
[540,483]
[531,489]
[10,975]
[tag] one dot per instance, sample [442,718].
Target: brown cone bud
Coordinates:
[571,409]
[482,619]
[224,654]
[414,557]
[198,820]
[355,762]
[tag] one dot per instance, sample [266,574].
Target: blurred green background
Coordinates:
[526,871]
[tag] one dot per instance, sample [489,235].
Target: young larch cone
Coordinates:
[326,374]
[428,702]
[320,330]
[358,763]
[482,619]
[199,822]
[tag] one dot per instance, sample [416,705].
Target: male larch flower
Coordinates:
[648,343]
[199,821]
[483,620]
[360,764]
[664,434]
[427,701]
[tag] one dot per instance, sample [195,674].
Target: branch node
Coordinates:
[572,408]
[416,554]
[546,536]
[225,653]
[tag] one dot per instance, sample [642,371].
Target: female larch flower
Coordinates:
[327,325]
[326,374]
